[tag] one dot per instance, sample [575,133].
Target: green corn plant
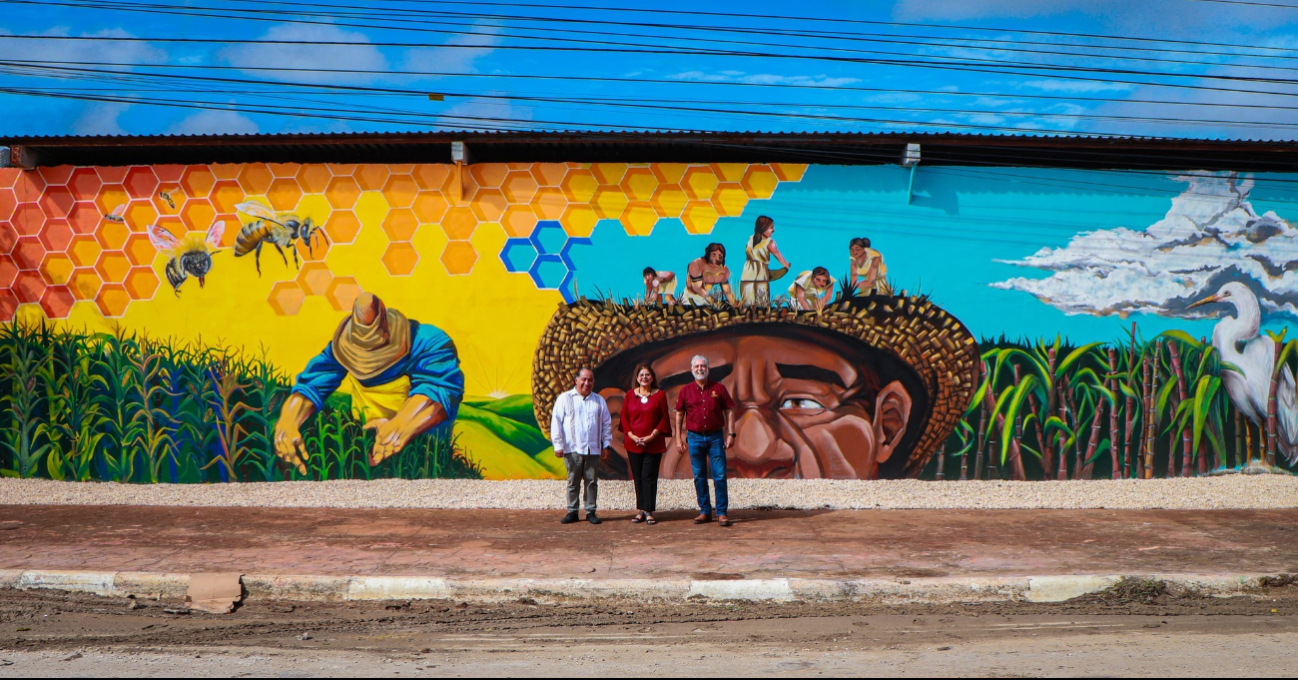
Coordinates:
[152,439]
[228,412]
[23,404]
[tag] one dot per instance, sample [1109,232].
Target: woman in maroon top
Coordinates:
[647,427]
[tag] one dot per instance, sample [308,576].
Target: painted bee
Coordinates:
[277,231]
[167,197]
[190,256]
[116,214]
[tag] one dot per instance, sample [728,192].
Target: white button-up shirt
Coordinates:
[581,425]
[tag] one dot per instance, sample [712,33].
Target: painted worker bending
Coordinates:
[581,430]
[403,376]
[659,286]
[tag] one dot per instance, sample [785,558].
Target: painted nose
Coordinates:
[758,450]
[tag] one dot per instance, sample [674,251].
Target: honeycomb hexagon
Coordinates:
[609,202]
[28,253]
[400,259]
[518,221]
[608,173]
[283,195]
[56,269]
[168,173]
[197,182]
[639,218]
[400,224]
[549,174]
[342,227]
[225,196]
[113,267]
[314,178]
[84,251]
[489,204]
[57,202]
[85,284]
[579,220]
[489,175]
[517,255]
[198,215]
[699,217]
[113,299]
[730,200]
[459,223]
[9,271]
[113,235]
[28,219]
[28,187]
[400,191]
[29,286]
[56,235]
[284,169]
[639,184]
[432,177]
[430,207]
[580,186]
[315,278]
[699,183]
[141,283]
[549,203]
[342,193]
[789,172]
[140,215]
[140,182]
[139,250]
[520,187]
[371,176]
[729,172]
[85,217]
[111,198]
[548,272]
[255,179]
[669,173]
[760,182]
[343,292]
[459,257]
[669,200]
[549,238]
[57,302]
[85,183]
[286,298]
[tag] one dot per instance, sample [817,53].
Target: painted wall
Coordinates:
[113,372]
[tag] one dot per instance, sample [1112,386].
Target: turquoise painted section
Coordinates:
[950,242]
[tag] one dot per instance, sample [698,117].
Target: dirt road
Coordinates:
[1138,632]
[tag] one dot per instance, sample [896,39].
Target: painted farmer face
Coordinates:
[585,382]
[802,409]
[822,282]
[715,257]
[856,251]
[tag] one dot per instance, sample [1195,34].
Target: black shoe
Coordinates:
[569,518]
[590,517]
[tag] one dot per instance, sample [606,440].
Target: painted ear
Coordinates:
[891,417]
[214,234]
[161,238]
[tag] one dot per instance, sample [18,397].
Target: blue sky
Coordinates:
[477,43]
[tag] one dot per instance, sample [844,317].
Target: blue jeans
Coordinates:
[708,454]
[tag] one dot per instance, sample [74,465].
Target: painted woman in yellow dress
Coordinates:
[869,273]
[755,280]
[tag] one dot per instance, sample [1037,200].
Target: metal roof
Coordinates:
[1023,150]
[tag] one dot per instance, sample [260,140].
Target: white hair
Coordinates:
[700,357]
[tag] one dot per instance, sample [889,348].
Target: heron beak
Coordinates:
[1206,301]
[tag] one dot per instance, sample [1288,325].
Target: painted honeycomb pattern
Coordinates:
[71,235]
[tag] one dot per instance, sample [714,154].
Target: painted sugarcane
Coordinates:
[1116,473]
[1187,448]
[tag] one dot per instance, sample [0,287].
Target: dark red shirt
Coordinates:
[705,407]
[642,418]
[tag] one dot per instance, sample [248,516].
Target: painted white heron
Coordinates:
[1237,339]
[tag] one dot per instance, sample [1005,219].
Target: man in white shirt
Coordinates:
[582,433]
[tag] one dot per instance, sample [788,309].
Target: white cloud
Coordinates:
[458,55]
[352,57]
[1211,235]
[100,119]
[1075,86]
[214,123]
[821,80]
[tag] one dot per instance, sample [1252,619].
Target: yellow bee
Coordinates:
[116,214]
[167,197]
[190,256]
[280,232]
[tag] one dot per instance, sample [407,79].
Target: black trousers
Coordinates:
[644,472]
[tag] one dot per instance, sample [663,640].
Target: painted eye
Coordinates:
[801,405]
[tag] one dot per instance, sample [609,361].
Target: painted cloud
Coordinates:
[1210,236]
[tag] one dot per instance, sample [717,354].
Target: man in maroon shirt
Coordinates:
[706,406]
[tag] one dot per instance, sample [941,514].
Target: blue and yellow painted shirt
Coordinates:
[431,369]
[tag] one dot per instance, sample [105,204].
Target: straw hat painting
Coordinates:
[866,389]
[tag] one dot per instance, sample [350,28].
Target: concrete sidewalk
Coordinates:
[321,553]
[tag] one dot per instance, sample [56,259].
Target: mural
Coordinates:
[265,322]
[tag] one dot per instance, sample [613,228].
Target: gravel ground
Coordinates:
[1232,492]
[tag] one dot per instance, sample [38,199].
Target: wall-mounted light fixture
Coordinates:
[910,159]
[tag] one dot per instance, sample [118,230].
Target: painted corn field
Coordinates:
[123,407]
[1141,408]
